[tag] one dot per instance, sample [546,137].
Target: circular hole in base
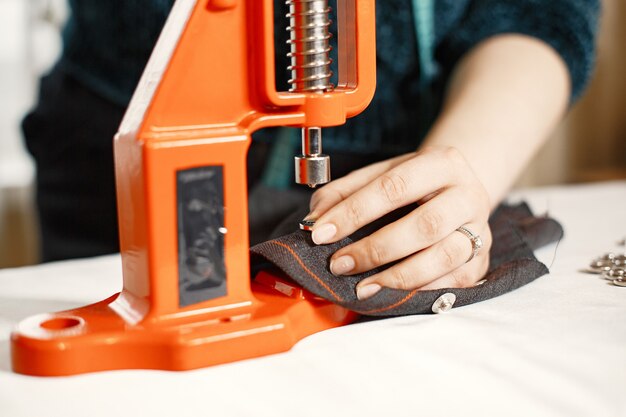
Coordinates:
[60,323]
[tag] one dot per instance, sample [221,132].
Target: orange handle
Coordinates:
[357,53]
[229,81]
[357,65]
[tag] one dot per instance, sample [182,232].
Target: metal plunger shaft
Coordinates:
[312,167]
[310,68]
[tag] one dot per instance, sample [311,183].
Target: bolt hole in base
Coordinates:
[60,323]
[47,326]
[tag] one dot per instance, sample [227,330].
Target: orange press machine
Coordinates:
[188,298]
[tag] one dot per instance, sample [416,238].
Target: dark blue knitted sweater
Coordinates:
[107,43]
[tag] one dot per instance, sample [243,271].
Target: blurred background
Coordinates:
[29,46]
[590,145]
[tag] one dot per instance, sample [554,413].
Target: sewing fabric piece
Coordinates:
[516,233]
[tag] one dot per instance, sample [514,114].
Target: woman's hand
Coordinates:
[504,98]
[431,252]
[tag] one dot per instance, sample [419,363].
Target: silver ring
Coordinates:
[477,242]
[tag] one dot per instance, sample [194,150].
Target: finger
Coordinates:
[423,267]
[340,189]
[423,227]
[443,265]
[466,276]
[401,185]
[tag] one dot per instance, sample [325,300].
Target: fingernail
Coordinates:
[309,217]
[342,265]
[367,291]
[324,233]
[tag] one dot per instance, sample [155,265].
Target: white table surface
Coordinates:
[556,347]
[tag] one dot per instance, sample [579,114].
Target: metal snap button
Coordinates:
[444,303]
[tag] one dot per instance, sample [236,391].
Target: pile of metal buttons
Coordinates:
[610,266]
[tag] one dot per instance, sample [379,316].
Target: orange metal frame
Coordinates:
[209,84]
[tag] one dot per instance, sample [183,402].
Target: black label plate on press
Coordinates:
[200,211]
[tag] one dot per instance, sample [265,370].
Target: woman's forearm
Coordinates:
[505,98]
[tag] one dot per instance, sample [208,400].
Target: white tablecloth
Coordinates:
[556,347]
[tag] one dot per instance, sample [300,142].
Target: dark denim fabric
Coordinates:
[516,233]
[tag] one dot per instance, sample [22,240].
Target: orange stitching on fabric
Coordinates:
[392,306]
[307,270]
